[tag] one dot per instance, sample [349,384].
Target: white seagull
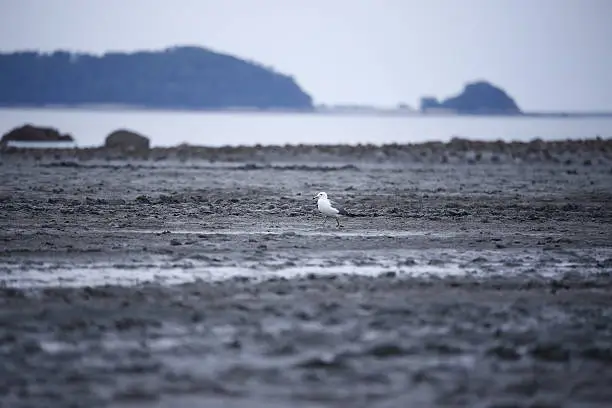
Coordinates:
[331,208]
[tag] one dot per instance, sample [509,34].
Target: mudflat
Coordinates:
[473,274]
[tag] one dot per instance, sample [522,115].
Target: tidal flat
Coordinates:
[474,275]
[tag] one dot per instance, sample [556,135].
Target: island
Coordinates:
[177,78]
[480,97]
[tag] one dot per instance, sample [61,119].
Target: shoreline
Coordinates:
[587,151]
[340,111]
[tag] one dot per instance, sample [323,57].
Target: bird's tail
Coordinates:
[348,214]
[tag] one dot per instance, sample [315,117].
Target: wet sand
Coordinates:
[474,275]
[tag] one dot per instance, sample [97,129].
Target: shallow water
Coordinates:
[431,264]
[169,128]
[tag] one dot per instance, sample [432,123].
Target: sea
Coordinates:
[165,128]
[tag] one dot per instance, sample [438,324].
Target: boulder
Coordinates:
[127,140]
[30,133]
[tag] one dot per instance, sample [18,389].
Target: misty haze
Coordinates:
[305,203]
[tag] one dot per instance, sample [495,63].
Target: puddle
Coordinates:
[166,270]
[99,275]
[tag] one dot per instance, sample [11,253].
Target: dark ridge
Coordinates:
[246,167]
[571,153]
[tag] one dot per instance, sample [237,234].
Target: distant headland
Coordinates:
[173,78]
[478,97]
[197,78]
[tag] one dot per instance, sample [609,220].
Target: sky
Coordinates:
[549,55]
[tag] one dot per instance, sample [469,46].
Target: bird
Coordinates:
[330,208]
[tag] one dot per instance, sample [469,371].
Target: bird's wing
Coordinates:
[338,206]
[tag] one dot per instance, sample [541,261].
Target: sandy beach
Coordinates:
[474,275]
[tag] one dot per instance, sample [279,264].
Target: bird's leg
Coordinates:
[324,220]
[337,222]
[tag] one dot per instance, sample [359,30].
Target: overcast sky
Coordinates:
[548,54]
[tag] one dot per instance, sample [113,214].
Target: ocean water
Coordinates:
[170,128]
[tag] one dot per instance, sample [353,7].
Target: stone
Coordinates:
[127,140]
[30,133]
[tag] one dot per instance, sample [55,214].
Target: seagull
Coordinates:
[330,208]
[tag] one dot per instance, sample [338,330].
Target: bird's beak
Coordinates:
[315,197]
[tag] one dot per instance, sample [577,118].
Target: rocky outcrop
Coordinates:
[30,133]
[127,140]
[476,98]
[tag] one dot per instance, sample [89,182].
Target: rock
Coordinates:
[30,133]
[127,140]
[476,97]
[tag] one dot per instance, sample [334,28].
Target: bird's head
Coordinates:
[320,195]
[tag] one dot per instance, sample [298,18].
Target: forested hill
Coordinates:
[179,77]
